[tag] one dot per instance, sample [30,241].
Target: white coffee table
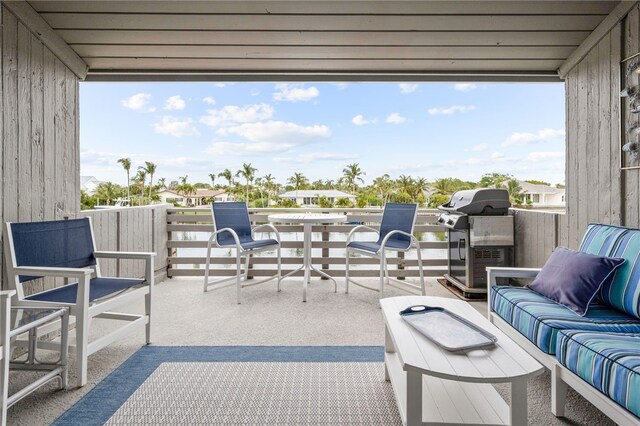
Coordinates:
[435,386]
[308,220]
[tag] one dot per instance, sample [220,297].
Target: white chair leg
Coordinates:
[420,271]
[246,266]
[82,345]
[382,273]
[279,267]
[346,272]
[150,277]
[206,266]
[238,277]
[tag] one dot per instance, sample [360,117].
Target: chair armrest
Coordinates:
[42,271]
[495,272]
[397,231]
[353,231]
[124,254]
[270,226]
[5,294]
[233,233]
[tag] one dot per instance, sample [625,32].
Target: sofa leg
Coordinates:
[558,392]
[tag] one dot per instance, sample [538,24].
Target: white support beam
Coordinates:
[39,27]
[598,34]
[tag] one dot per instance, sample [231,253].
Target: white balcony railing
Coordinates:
[190,229]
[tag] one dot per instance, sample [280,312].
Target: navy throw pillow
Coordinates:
[573,278]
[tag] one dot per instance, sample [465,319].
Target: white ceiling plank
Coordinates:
[323,23]
[322,52]
[320,7]
[321,64]
[308,38]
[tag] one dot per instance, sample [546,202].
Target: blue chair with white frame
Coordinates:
[66,249]
[232,229]
[395,234]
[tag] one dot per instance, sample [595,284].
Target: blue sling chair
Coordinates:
[232,229]
[66,249]
[395,234]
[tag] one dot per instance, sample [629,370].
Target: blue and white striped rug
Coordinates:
[242,385]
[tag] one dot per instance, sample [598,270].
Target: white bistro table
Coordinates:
[435,386]
[308,220]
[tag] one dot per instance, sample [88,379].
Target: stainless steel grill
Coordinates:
[480,234]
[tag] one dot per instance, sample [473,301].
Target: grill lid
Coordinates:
[484,201]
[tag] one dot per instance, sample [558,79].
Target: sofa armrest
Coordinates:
[493,273]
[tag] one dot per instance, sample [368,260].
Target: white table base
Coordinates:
[307,264]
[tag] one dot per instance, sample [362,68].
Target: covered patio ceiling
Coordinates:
[327,40]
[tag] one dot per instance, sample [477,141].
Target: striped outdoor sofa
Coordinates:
[597,354]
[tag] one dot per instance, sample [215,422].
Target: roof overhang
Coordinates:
[323,40]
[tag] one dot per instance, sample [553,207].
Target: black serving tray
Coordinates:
[447,329]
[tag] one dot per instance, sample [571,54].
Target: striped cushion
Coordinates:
[623,292]
[539,319]
[609,362]
[600,239]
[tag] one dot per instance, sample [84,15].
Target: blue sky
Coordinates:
[425,130]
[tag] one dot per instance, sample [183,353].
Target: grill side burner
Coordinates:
[480,234]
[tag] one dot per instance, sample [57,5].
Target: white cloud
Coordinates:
[279,132]
[479,147]
[465,87]
[240,149]
[294,92]
[137,101]
[341,86]
[542,135]
[407,87]
[359,120]
[232,114]
[395,118]
[451,110]
[175,127]
[209,100]
[174,103]
[326,156]
[545,155]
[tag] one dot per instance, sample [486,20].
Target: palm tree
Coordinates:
[126,164]
[515,191]
[226,173]
[140,179]
[298,180]
[162,183]
[443,186]
[384,186]
[150,168]
[352,173]
[269,185]
[212,176]
[107,191]
[248,173]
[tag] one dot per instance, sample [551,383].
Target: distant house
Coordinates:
[544,196]
[89,184]
[200,198]
[309,197]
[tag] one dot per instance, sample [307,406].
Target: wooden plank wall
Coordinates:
[39,160]
[536,235]
[597,189]
[131,229]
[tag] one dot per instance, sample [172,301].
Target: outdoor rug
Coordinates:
[242,385]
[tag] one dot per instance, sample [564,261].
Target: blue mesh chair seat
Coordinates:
[232,229]
[98,288]
[395,234]
[66,249]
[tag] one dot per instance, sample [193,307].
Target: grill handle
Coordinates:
[460,256]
